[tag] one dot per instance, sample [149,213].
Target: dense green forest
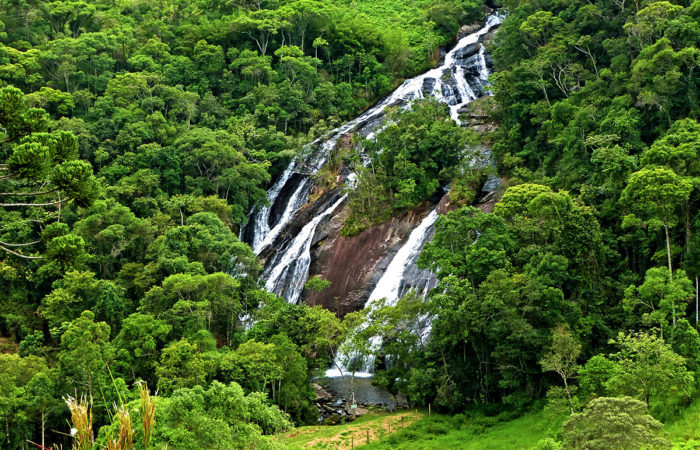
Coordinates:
[136,137]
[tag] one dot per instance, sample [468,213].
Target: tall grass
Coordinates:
[148,413]
[472,430]
[81,419]
[125,436]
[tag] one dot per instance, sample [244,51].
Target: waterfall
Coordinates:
[286,274]
[461,78]
[393,285]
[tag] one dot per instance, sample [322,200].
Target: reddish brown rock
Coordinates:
[354,264]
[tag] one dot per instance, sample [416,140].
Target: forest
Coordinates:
[137,140]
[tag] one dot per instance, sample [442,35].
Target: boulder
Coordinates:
[466,30]
[467,51]
[333,419]
[361,411]
[322,395]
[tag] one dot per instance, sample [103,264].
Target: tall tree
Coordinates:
[657,193]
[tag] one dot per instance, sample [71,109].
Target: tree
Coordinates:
[469,244]
[254,365]
[679,150]
[562,358]
[647,367]
[216,416]
[191,302]
[692,266]
[657,193]
[181,366]
[138,345]
[43,397]
[317,283]
[321,331]
[39,172]
[16,407]
[303,12]
[609,422]
[80,291]
[262,25]
[85,354]
[659,295]
[293,393]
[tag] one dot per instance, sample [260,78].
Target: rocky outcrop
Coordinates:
[302,218]
[476,115]
[354,264]
[466,30]
[333,411]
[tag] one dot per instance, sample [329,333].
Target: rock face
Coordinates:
[476,115]
[354,264]
[333,411]
[322,396]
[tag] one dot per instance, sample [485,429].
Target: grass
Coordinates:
[463,431]
[354,434]
[472,431]
[684,431]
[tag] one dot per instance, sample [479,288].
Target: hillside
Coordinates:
[479,216]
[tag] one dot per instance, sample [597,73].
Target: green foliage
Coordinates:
[613,423]
[134,142]
[648,368]
[221,415]
[317,283]
[416,152]
[659,297]
[181,366]
[562,359]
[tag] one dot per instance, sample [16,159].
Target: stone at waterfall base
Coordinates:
[322,395]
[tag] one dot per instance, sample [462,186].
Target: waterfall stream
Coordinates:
[401,275]
[461,78]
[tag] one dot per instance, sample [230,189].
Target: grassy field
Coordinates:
[684,431]
[418,431]
[474,431]
[471,432]
[373,426]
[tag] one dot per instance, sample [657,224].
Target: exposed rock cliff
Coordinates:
[354,264]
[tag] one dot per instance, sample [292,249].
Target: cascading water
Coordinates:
[393,284]
[290,268]
[461,78]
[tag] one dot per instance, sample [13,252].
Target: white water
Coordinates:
[390,287]
[290,267]
[394,281]
[390,284]
[287,270]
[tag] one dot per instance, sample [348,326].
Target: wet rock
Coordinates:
[277,208]
[428,86]
[491,185]
[467,51]
[361,411]
[302,218]
[489,61]
[322,395]
[333,419]
[355,264]
[466,30]
[488,37]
